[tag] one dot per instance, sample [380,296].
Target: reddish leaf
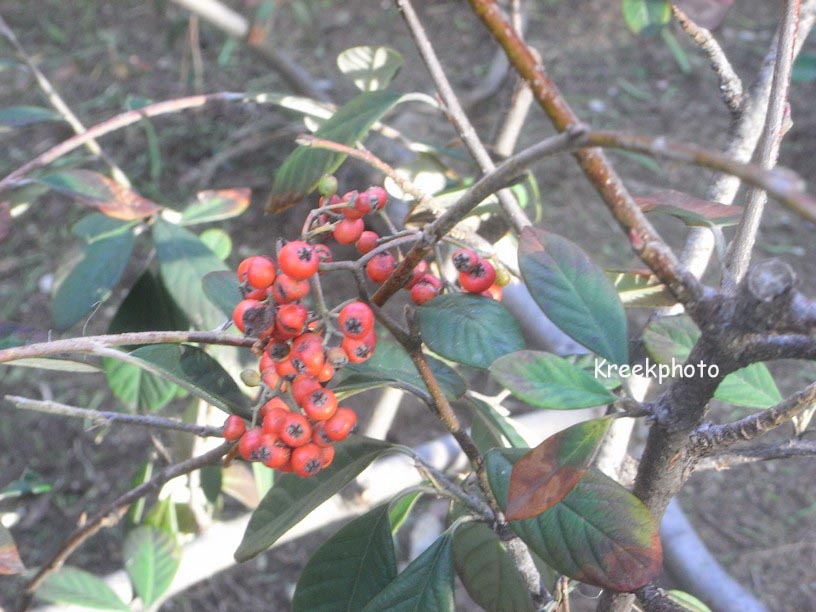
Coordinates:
[10,562]
[546,474]
[99,192]
[5,220]
[217,205]
[693,211]
[278,202]
[706,13]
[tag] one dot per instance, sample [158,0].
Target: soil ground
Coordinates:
[758,520]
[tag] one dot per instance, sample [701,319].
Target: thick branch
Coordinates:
[101,417]
[761,452]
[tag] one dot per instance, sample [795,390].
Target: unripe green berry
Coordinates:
[251,378]
[327,186]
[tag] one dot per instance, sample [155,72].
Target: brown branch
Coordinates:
[730,83]
[101,417]
[709,438]
[111,513]
[90,344]
[762,452]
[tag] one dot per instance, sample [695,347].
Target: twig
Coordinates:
[515,215]
[709,438]
[739,255]
[91,344]
[443,483]
[101,417]
[730,83]
[111,513]
[762,452]
[118,122]
[59,104]
[369,158]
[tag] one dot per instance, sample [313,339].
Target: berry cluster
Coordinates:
[297,427]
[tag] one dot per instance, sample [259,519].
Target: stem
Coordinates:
[92,344]
[101,417]
[110,514]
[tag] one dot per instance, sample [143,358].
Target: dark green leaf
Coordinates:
[350,568]
[299,174]
[804,70]
[20,116]
[292,498]
[544,380]
[138,389]
[599,533]
[574,293]
[96,226]
[148,307]
[370,68]
[646,16]
[487,571]
[99,192]
[222,289]
[211,480]
[192,369]
[10,562]
[73,586]
[390,363]
[503,424]
[216,205]
[469,329]
[547,473]
[183,262]
[669,341]
[92,279]
[426,584]
[152,558]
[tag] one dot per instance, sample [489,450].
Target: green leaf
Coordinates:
[646,16]
[223,290]
[162,516]
[544,380]
[183,262]
[216,205]
[639,289]
[10,562]
[292,498]
[152,558]
[502,424]
[804,69]
[370,68]
[401,507]
[20,116]
[218,241]
[73,586]
[599,533]
[487,571]
[148,307]
[99,192]
[299,174]
[91,280]
[190,368]
[350,568]
[96,226]
[669,341]
[391,363]
[469,329]
[547,473]
[142,475]
[687,601]
[426,584]
[263,479]
[574,293]
[139,390]
[211,481]
[30,483]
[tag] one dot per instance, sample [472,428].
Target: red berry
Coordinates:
[419,271]
[295,430]
[307,460]
[358,205]
[359,349]
[270,377]
[287,289]
[348,230]
[356,320]
[326,456]
[479,278]
[285,369]
[324,253]
[234,428]
[432,280]
[319,436]
[320,404]
[243,309]
[309,359]
[340,425]
[336,357]
[494,291]
[302,386]
[272,414]
[257,272]
[423,292]
[326,374]
[249,443]
[277,456]
[254,294]
[465,260]
[291,319]
[367,241]
[381,266]
[277,351]
[377,196]
[298,259]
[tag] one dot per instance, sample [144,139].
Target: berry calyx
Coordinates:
[234,428]
[295,430]
[320,404]
[377,196]
[356,320]
[298,260]
[464,260]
